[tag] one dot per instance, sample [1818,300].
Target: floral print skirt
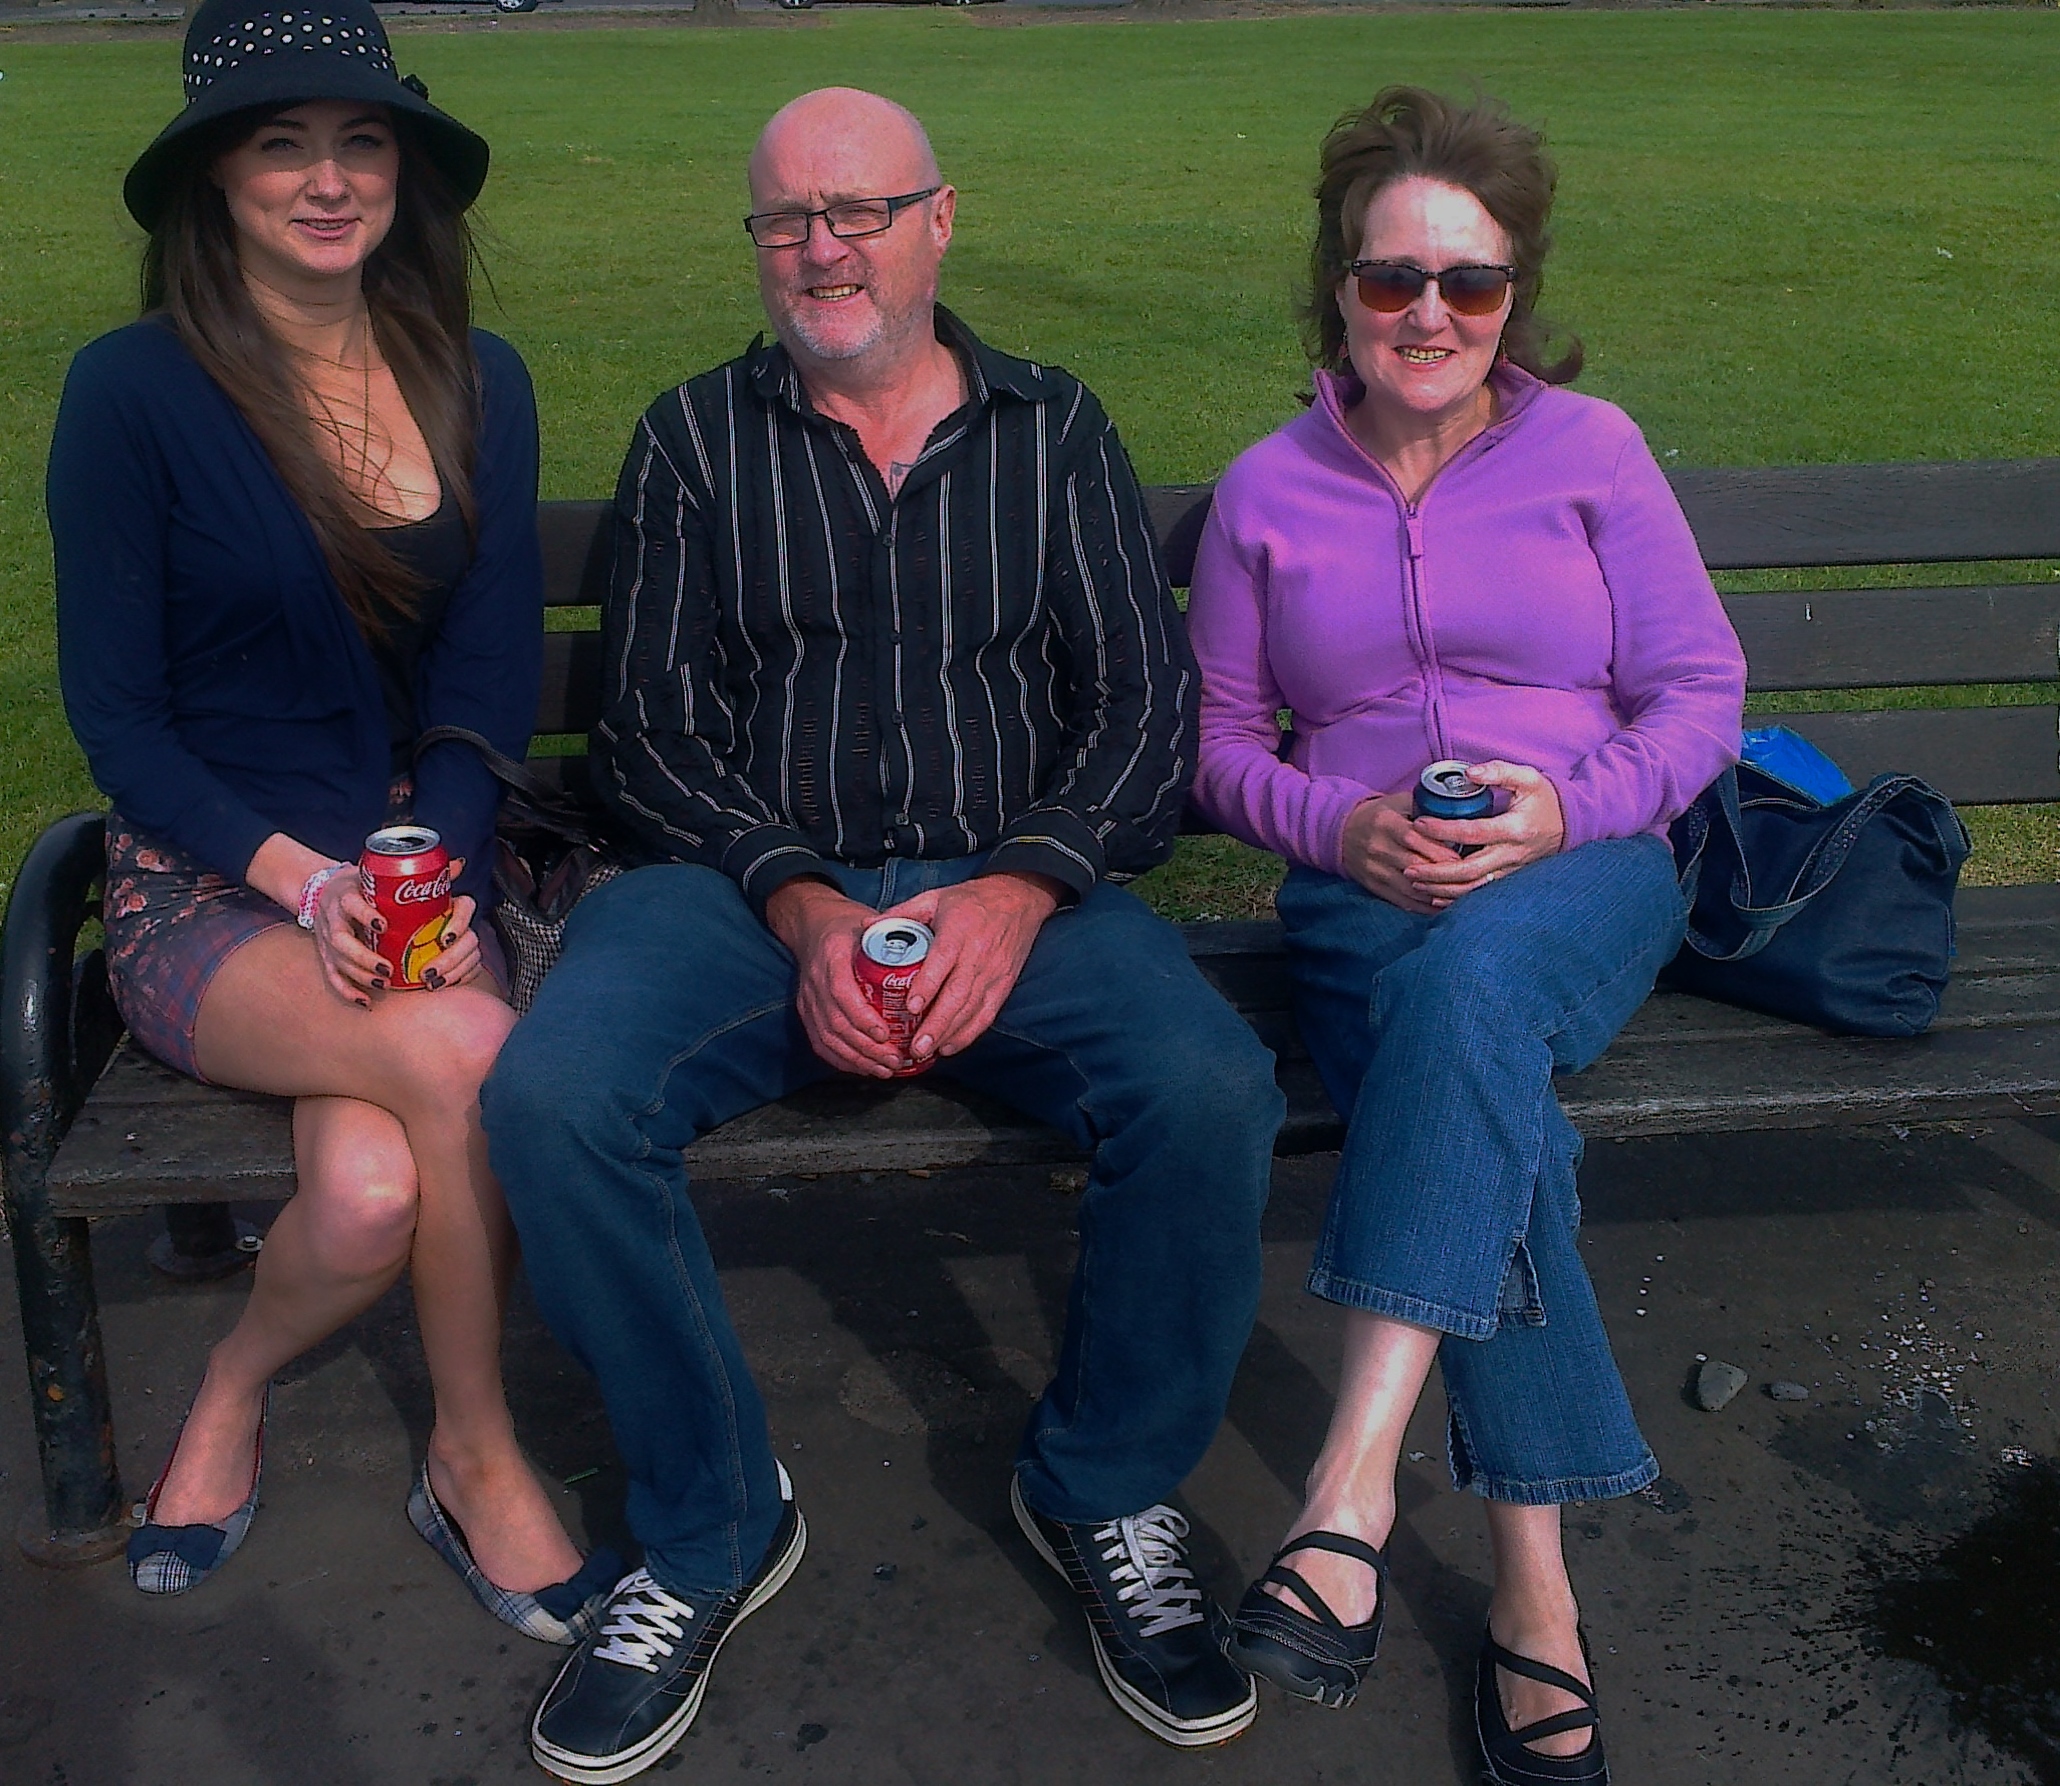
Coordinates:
[170,925]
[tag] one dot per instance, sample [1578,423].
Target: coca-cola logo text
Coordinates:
[419,892]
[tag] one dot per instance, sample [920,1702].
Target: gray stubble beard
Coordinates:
[885,331]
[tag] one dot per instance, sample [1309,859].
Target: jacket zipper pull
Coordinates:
[1413,520]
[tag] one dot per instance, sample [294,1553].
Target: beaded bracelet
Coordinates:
[311,892]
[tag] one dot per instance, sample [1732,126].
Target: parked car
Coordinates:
[509,5]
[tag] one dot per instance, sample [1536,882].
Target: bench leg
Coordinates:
[202,1242]
[83,1518]
[50,1052]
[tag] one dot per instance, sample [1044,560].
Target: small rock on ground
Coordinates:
[1788,1392]
[1716,1383]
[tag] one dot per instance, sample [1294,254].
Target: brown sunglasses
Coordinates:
[1392,285]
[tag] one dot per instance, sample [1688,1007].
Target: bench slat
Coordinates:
[1869,638]
[1853,638]
[570,700]
[1898,638]
[1777,516]
[577,542]
[1799,1079]
[1975,756]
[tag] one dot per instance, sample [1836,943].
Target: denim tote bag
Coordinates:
[1838,914]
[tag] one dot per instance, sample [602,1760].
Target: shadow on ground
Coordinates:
[1802,1596]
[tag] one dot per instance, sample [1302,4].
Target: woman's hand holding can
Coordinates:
[1381,847]
[1530,828]
[344,919]
[461,959]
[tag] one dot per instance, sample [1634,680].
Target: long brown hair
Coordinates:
[418,293]
[1478,147]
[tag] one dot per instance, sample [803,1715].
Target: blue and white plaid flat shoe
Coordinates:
[171,1559]
[561,1614]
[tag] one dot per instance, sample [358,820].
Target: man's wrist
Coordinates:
[1040,889]
[793,905]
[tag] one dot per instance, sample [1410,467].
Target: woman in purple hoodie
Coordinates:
[1449,556]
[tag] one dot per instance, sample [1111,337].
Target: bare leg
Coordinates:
[1352,1487]
[269,1023]
[1533,1613]
[332,1252]
[464,1261]
[1352,1490]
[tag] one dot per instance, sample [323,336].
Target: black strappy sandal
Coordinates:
[1318,1658]
[1504,1755]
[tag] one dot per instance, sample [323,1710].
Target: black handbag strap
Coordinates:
[540,803]
[1718,832]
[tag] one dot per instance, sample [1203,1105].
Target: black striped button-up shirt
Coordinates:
[800,668]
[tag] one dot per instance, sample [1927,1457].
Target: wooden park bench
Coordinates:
[92,1127]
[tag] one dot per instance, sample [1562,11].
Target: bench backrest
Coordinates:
[1766,519]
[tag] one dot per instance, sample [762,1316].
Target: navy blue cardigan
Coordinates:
[218,685]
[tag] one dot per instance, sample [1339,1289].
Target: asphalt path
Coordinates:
[1849,1589]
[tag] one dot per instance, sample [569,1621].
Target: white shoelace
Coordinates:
[1153,1580]
[643,1624]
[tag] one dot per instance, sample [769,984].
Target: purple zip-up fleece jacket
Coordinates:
[1542,602]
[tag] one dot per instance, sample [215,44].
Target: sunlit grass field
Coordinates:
[1784,236]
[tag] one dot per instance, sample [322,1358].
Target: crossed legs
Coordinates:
[1351,1490]
[392,1176]
[1451,1231]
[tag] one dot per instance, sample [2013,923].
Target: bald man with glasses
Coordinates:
[889,633]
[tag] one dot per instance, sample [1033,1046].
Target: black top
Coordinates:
[799,667]
[437,550]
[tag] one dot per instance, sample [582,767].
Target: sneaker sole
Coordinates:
[1181,1733]
[584,1770]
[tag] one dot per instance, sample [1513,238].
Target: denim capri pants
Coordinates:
[1455,1205]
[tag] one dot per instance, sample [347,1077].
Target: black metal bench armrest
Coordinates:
[57,1026]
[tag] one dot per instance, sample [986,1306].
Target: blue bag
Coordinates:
[1790,757]
[1838,914]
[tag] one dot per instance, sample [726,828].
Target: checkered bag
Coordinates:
[531,915]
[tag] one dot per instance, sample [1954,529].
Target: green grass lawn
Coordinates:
[1784,236]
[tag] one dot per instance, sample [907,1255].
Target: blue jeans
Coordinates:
[673,1011]
[1455,1206]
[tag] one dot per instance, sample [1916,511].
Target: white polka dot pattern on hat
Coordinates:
[269,33]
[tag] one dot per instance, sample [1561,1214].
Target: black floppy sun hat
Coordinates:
[245,55]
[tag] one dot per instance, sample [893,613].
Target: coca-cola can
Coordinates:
[406,874]
[890,952]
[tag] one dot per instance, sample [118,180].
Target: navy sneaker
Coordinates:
[1158,1639]
[629,1692]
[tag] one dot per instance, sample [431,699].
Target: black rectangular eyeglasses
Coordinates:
[854,218]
